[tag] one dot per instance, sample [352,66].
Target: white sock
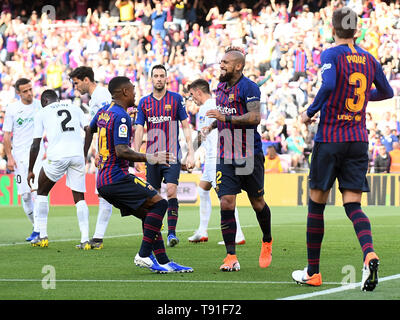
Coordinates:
[82,211]
[27,205]
[205,210]
[42,212]
[103,217]
[239,232]
[35,212]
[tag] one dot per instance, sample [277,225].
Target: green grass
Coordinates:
[110,274]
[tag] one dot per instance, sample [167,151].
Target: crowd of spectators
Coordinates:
[283,41]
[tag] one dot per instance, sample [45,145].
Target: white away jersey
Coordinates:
[62,123]
[99,98]
[19,120]
[211,142]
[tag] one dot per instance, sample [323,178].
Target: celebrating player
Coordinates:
[62,123]
[199,90]
[341,143]
[18,127]
[241,159]
[83,79]
[125,191]
[161,111]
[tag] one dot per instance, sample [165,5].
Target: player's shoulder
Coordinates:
[144,99]
[101,93]
[12,107]
[175,95]
[248,89]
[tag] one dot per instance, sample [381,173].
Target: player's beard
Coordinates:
[225,77]
[159,86]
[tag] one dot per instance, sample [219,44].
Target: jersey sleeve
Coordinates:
[181,112]
[38,127]
[8,120]
[140,116]
[328,73]
[122,130]
[383,89]
[93,122]
[251,92]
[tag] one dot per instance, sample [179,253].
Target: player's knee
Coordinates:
[227,203]
[26,196]
[161,205]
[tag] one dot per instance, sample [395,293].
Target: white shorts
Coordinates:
[209,172]
[21,176]
[74,167]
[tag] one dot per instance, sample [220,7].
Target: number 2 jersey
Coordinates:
[348,73]
[62,123]
[113,125]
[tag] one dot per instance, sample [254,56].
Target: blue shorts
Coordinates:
[345,161]
[128,194]
[158,173]
[231,178]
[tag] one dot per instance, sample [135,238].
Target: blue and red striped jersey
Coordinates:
[162,118]
[113,126]
[348,74]
[237,141]
[300,61]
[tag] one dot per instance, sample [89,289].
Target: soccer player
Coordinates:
[62,123]
[199,91]
[125,191]
[83,80]
[341,143]
[241,159]
[161,111]
[18,133]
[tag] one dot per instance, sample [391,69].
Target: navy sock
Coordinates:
[315,234]
[228,228]
[159,249]
[362,226]
[264,220]
[151,226]
[172,215]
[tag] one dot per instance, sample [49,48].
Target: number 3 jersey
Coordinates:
[62,123]
[113,125]
[348,73]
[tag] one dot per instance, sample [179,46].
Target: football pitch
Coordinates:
[61,272]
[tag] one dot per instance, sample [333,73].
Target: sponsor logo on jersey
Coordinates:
[20,121]
[226,110]
[159,119]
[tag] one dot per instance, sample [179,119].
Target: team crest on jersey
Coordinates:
[231,97]
[167,107]
[123,131]
[104,116]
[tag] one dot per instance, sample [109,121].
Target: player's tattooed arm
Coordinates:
[252,117]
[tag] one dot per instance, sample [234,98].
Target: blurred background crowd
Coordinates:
[283,41]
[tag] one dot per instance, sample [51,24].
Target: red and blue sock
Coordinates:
[151,227]
[362,226]
[315,234]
